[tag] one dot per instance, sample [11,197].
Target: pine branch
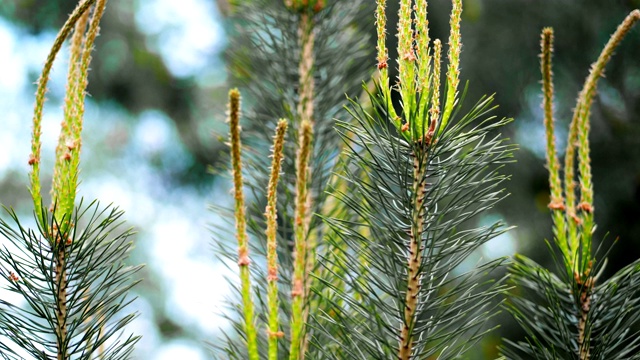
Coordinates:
[574,317]
[444,301]
[418,192]
[75,315]
[70,270]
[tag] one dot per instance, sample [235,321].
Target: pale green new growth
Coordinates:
[66,169]
[383,60]
[305,243]
[453,72]
[556,204]
[273,330]
[60,267]
[241,223]
[575,316]
[417,81]
[36,144]
[299,289]
[575,242]
[581,117]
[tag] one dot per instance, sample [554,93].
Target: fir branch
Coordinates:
[66,168]
[404,269]
[241,232]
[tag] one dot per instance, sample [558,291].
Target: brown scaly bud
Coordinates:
[277,334]
[13,277]
[297,289]
[382,64]
[32,159]
[577,278]
[409,56]
[272,274]
[243,257]
[320,4]
[556,204]
[70,145]
[586,207]
[576,219]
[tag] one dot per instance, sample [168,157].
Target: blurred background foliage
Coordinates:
[158,86]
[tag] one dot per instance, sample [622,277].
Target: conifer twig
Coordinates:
[241,232]
[580,125]
[556,204]
[453,72]
[423,85]
[66,168]
[435,97]
[36,143]
[581,116]
[574,225]
[273,331]
[59,177]
[304,256]
[299,292]
[59,247]
[406,63]
[383,61]
[70,111]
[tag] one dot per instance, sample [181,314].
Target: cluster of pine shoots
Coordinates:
[378,276]
[351,243]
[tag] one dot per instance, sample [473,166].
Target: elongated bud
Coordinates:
[453,72]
